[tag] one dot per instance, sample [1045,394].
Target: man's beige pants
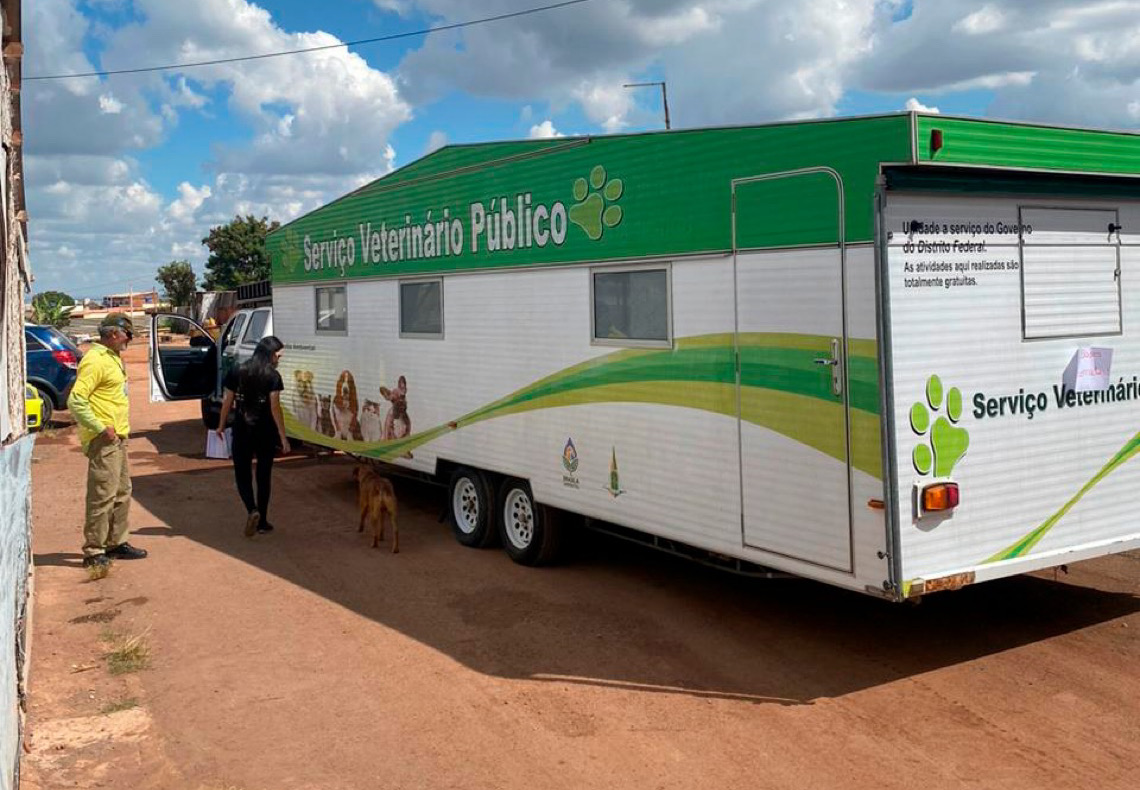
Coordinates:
[108,495]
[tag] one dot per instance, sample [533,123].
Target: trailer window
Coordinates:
[1070,272]
[631,307]
[332,309]
[421,309]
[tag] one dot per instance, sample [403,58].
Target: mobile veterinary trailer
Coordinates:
[896,354]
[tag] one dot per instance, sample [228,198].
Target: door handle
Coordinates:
[834,362]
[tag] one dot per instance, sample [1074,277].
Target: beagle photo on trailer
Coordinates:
[346,409]
[305,407]
[376,499]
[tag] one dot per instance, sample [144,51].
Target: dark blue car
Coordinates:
[53,364]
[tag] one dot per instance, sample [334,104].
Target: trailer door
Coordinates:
[791,366]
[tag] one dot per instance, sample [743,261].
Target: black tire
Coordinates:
[531,534]
[474,523]
[48,408]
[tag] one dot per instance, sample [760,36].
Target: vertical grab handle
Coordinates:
[837,368]
[835,362]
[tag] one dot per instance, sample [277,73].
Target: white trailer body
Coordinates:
[894,354]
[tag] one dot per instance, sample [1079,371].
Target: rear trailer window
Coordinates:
[1070,264]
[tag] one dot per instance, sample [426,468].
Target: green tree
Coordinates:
[178,282]
[52,308]
[53,297]
[237,253]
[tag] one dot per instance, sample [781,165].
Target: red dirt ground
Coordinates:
[306,660]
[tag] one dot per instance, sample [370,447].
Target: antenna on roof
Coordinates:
[664,95]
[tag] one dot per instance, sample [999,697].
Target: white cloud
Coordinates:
[725,61]
[190,199]
[914,105]
[109,105]
[544,130]
[992,81]
[605,102]
[400,7]
[318,127]
[1048,61]
[436,140]
[986,19]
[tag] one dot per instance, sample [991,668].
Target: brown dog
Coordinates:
[376,497]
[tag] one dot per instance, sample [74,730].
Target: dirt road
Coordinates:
[305,659]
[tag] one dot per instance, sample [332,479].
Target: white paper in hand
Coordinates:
[217,447]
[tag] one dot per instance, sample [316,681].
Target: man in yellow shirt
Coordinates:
[99,403]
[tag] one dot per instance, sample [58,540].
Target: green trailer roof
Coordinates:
[654,195]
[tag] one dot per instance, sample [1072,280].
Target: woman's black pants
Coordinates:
[251,443]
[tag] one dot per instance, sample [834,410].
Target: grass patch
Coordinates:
[127,653]
[119,705]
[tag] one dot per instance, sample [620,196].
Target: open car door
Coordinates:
[183,359]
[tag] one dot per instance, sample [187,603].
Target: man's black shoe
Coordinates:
[100,560]
[264,526]
[125,551]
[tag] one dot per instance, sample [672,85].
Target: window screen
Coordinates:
[631,306]
[1070,273]
[332,309]
[421,308]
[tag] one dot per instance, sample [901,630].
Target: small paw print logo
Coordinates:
[597,207]
[290,251]
[945,442]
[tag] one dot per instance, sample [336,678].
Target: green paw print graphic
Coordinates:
[291,251]
[947,443]
[596,208]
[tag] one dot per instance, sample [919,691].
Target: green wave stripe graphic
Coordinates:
[1026,544]
[782,389]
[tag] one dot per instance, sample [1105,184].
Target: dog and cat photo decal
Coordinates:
[343,416]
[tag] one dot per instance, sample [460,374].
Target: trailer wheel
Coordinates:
[472,508]
[531,533]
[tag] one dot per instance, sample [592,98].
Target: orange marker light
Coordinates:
[940,496]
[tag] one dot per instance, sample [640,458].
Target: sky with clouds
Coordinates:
[125,173]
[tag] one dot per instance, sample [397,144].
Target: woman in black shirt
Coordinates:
[253,392]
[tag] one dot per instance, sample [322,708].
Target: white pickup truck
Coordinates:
[195,371]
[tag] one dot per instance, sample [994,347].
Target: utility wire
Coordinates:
[392,37]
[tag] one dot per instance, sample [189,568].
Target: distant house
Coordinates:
[136,300]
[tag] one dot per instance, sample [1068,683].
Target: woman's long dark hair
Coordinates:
[257,374]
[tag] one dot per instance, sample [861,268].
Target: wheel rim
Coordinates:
[465,505]
[518,516]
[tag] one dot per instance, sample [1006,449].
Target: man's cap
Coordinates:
[119,321]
